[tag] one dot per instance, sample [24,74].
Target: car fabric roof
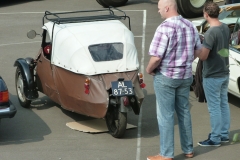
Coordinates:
[71,41]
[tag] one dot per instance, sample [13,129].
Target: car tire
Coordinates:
[115,3]
[116,122]
[19,84]
[102,3]
[180,9]
[191,10]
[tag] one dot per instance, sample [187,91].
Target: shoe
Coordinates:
[209,142]
[158,157]
[224,140]
[189,155]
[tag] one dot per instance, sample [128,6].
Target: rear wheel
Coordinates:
[116,122]
[20,89]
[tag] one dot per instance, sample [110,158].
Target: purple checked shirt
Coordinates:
[174,42]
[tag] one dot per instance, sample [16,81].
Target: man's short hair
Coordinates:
[212,9]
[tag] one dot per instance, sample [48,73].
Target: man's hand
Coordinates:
[153,64]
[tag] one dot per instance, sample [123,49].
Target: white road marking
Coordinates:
[8,44]
[139,135]
[55,11]
[23,13]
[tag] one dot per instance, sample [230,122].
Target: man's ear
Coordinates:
[166,9]
[205,15]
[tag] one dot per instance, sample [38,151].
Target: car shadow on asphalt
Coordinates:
[25,127]
[149,126]
[45,102]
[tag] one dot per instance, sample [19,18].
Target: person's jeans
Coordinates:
[173,94]
[216,92]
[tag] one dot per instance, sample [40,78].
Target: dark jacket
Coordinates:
[198,86]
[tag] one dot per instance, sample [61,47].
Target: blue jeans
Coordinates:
[173,95]
[216,92]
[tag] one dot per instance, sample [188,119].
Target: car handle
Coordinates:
[40,60]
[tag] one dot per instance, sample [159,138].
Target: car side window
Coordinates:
[47,45]
[47,39]
[235,36]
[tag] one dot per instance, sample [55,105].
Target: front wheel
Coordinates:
[20,89]
[116,122]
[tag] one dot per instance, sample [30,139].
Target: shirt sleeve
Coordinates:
[159,43]
[208,41]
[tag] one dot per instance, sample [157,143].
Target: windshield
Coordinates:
[229,14]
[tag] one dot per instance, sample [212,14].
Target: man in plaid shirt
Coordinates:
[173,49]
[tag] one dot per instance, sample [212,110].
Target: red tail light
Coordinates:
[142,85]
[48,49]
[4,96]
[140,78]
[87,86]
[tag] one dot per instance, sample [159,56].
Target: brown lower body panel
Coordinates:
[72,94]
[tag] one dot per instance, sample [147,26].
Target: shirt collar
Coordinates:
[173,18]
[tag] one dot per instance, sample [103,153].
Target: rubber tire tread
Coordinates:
[122,124]
[180,10]
[115,3]
[188,11]
[26,103]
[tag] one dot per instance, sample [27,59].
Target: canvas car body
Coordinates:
[230,15]
[88,65]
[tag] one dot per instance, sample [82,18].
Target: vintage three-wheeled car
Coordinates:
[87,64]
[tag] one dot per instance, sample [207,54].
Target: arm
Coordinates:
[197,52]
[153,63]
[207,45]
[203,55]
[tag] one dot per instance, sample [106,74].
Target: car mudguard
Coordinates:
[26,69]
[134,104]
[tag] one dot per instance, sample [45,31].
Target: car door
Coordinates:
[45,69]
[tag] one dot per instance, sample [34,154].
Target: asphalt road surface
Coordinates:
[40,133]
